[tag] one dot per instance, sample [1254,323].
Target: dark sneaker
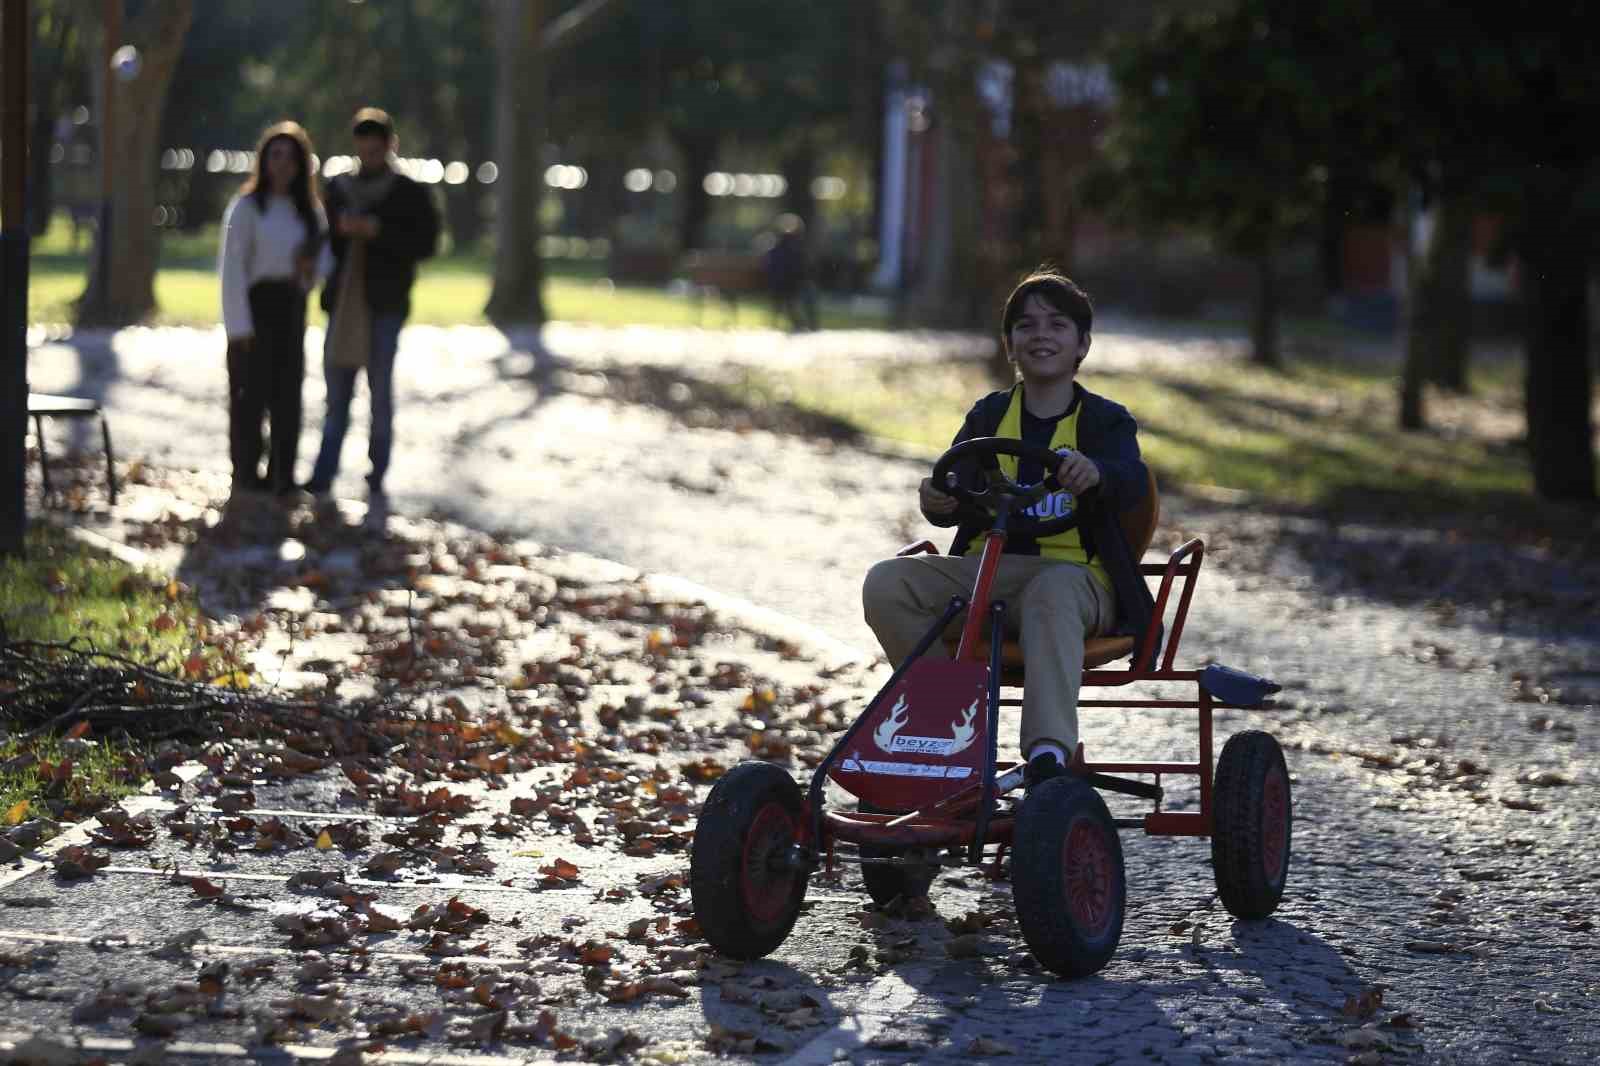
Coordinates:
[1041,768]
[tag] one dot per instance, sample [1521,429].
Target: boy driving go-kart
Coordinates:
[1045,482]
[1063,587]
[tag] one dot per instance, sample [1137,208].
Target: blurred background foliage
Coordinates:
[1425,170]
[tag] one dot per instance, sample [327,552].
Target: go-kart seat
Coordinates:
[1139,528]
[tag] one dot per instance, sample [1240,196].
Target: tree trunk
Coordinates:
[950,291]
[1559,388]
[1264,347]
[1450,293]
[121,287]
[1418,327]
[15,33]
[520,113]
[698,150]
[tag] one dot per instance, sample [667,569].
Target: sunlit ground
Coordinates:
[1320,434]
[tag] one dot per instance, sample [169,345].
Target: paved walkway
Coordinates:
[1445,768]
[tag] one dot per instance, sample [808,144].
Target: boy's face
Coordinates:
[1045,343]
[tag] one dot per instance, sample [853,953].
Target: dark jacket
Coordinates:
[408,231]
[1107,434]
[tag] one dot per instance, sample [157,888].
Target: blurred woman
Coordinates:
[271,233]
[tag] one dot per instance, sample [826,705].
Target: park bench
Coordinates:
[729,275]
[42,405]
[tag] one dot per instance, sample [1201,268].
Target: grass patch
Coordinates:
[1318,435]
[62,590]
[65,780]
[451,290]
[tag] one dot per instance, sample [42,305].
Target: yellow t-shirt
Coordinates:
[1068,546]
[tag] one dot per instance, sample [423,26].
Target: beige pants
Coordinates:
[1053,606]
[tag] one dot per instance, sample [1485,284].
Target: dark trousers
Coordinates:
[264,377]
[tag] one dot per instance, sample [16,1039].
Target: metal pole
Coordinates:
[14,33]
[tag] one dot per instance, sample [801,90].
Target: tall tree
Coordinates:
[770,78]
[56,61]
[526,40]
[15,32]
[519,189]
[1220,125]
[121,287]
[1500,108]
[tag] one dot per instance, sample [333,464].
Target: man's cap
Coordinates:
[372,121]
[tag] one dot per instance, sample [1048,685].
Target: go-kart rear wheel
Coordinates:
[1067,877]
[885,883]
[1253,819]
[744,886]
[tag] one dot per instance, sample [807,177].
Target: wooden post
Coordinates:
[14,34]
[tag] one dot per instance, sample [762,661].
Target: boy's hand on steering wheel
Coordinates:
[933,501]
[1078,473]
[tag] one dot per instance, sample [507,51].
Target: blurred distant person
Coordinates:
[381,225]
[271,232]
[794,295]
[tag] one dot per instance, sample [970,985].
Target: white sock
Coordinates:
[1051,748]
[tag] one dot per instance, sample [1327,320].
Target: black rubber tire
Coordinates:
[744,899]
[1067,877]
[885,883]
[1253,822]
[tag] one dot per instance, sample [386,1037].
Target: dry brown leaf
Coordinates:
[78,861]
[982,1046]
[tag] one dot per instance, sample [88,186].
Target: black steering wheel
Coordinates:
[1003,497]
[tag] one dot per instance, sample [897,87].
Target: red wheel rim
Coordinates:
[1088,873]
[765,884]
[1274,824]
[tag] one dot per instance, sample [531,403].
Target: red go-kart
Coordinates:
[921,760]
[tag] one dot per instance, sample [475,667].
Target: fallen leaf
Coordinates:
[78,861]
[982,1045]
[203,888]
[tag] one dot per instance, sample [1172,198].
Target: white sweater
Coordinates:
[256,246]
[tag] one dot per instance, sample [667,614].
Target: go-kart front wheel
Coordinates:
[1067,877]
[1252,819]
[744,885]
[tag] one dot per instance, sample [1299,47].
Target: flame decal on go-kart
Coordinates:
[965,731]
[891,725]
[962,733]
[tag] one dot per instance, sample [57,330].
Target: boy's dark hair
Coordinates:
[1057,290]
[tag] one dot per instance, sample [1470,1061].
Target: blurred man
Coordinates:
[794,295]
[381,223]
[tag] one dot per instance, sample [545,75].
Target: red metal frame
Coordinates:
[949,822]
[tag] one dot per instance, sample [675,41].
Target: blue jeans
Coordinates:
[342,387]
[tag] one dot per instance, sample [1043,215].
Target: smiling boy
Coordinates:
[1061,589]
